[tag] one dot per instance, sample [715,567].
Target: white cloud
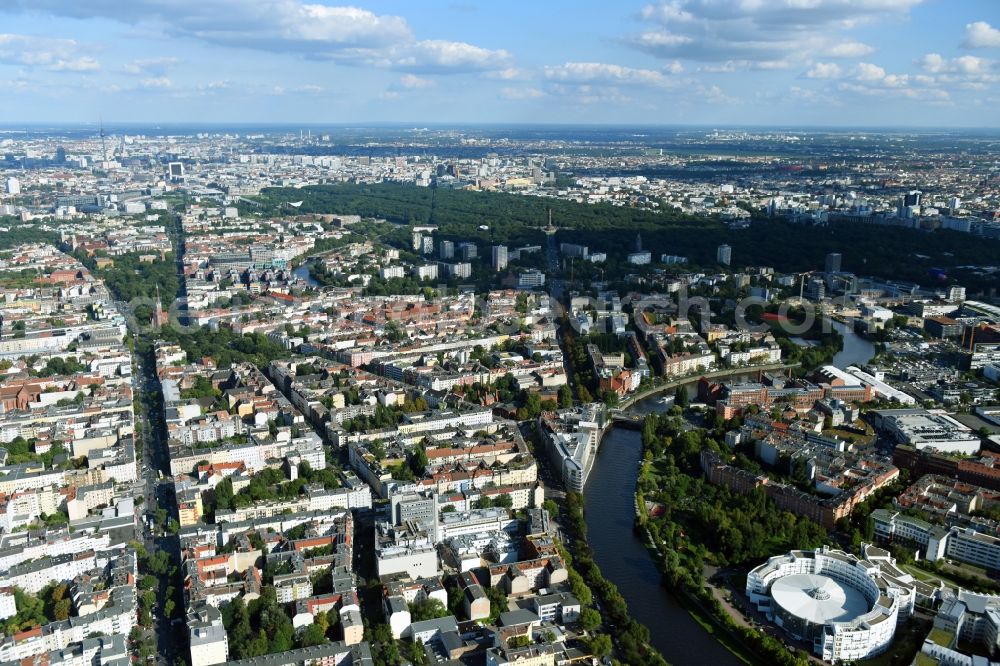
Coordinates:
[150,66]
[273,25]
[336,25]
[849,50]
[972,65]
[411,81]
[865,71]
[935,63]
[351,35]
[593,83]
[653,41]
[508,74]
[802,93]
[824,70]
[15,85]
[308,89]
[435,55]
[934,96]
[589,95]
[57,55]
[212,86]
[747,33]
[738,65]
[714,94]
[667,12]
[81,64]
[156,82]
[521,93]
[872,80]
[981,35]
[597,72]
[896,80]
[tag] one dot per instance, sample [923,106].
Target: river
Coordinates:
[610,509]
[856,350]
[302,272]
[621,555]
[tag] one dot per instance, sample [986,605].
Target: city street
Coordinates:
[157,494]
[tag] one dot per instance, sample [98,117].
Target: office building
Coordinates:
[499,258]
[847,607]
[922,429]
[425,272]
[964,544]
[574,250]
[389,272]
[816,289]
[639,258]
[446,249]
[571,438]
[724,255]
[964,620]
[468,251]
[833,262]
[13,186]
[459,270]
[531,279]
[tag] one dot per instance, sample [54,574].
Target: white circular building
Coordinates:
[847,607]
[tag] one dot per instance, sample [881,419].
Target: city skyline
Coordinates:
[821,63]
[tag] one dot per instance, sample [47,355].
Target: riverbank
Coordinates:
[631,638]
[709,623]
[717,621]
[700,526]
[654,391]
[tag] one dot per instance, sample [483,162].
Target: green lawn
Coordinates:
[941,637]
[927,576]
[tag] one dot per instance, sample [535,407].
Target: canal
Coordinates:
[621,555]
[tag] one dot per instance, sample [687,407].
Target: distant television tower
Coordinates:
[104,148]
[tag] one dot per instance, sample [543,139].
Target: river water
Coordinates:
[856,351]
[610,510]
[302,272]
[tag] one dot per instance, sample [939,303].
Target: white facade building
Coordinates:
[848,607]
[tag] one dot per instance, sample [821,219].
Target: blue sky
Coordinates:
[725,62]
